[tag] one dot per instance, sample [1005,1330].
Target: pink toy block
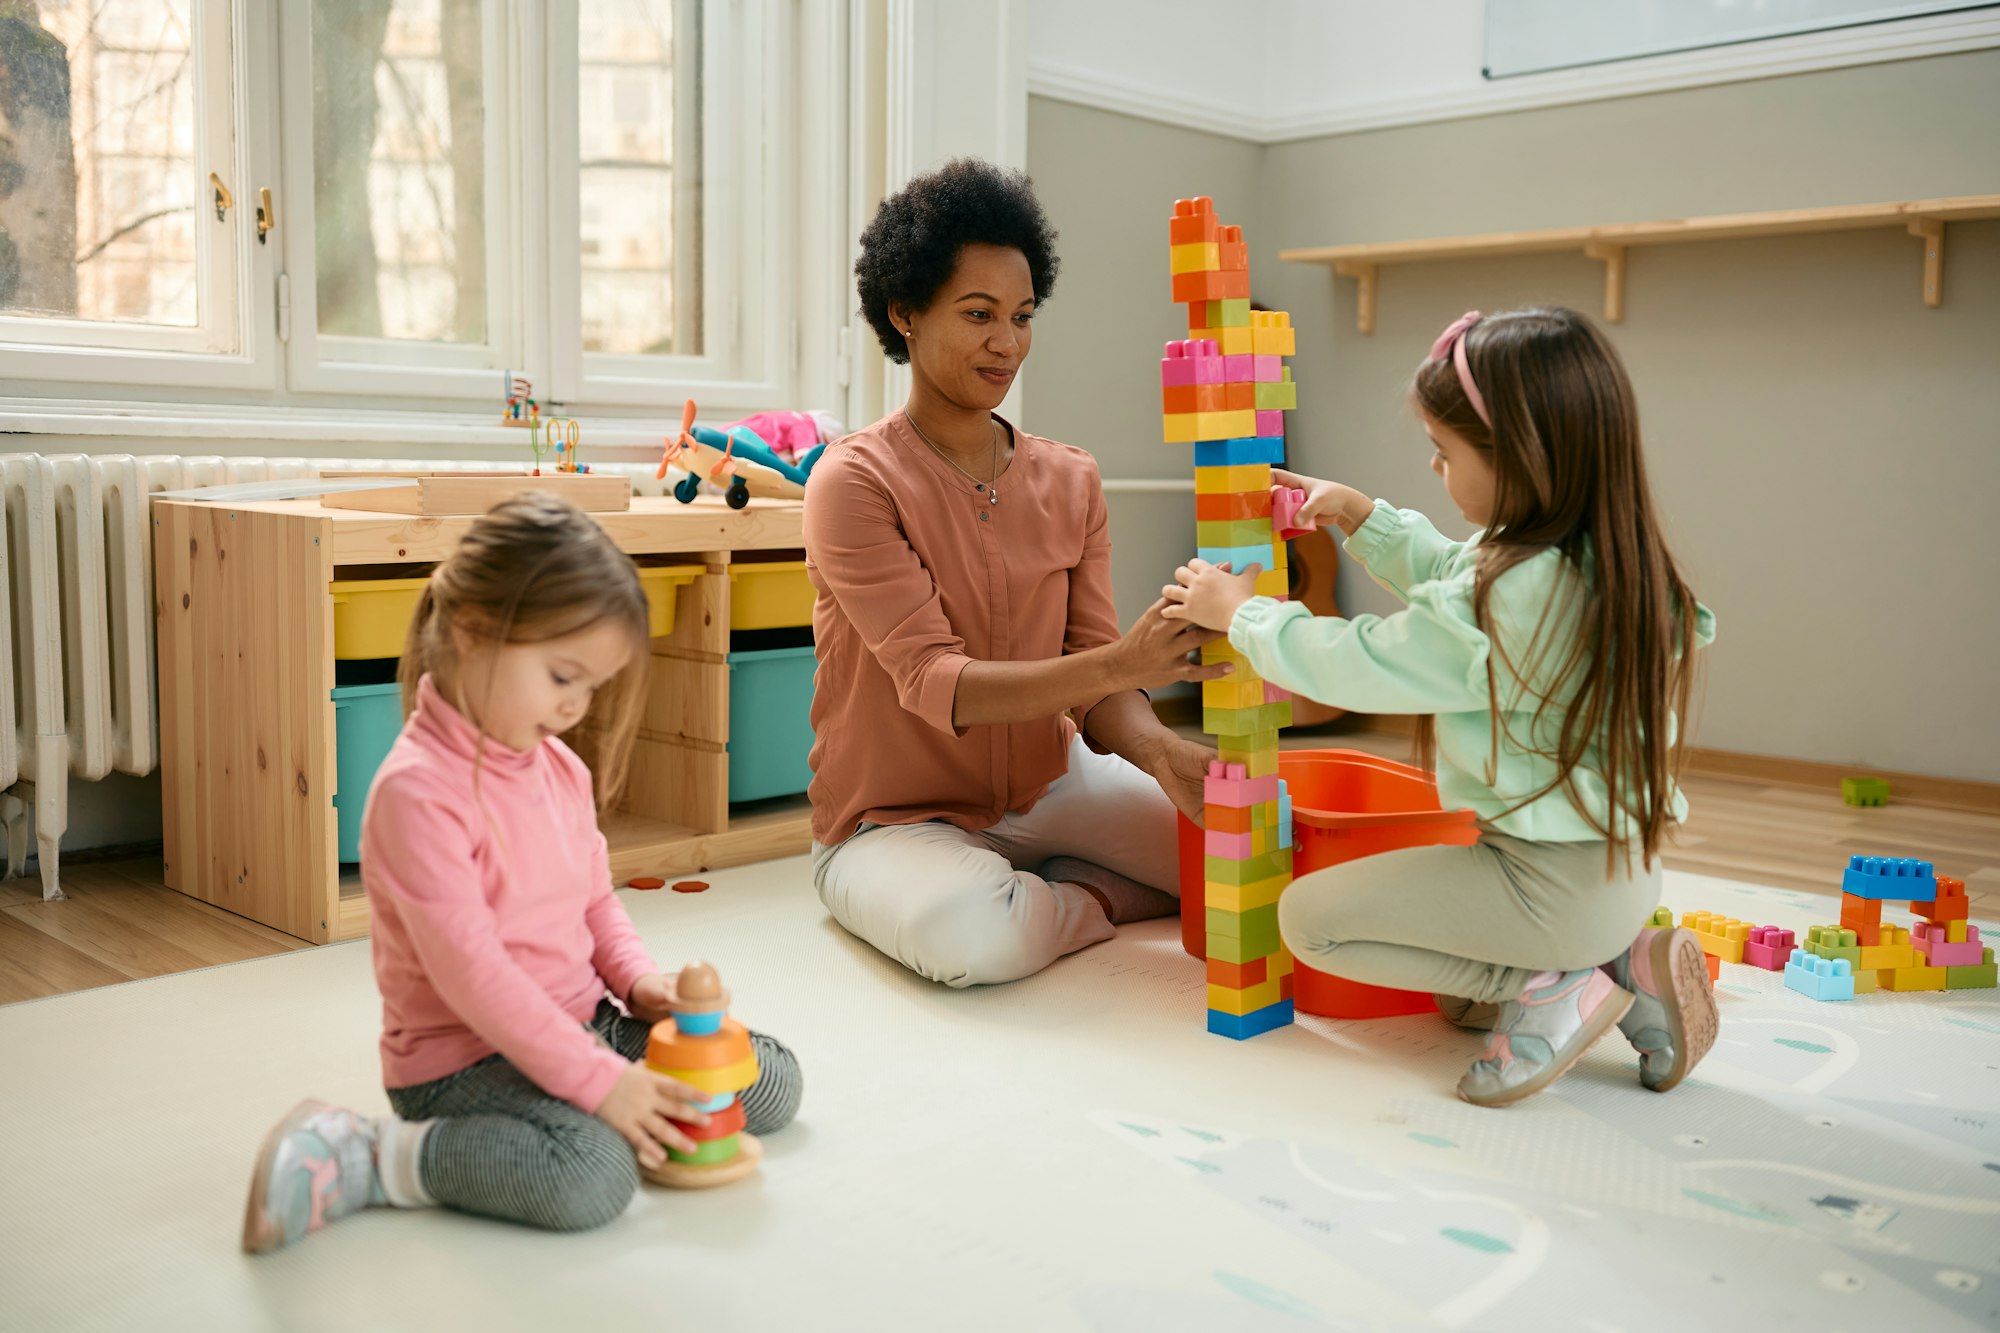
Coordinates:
[1227,784]
[1938,949]
[1768,947]
[1266,369]
[1270,425]
[1285,502]
[1274,695]
[1238,369]
[1194,361]
[1230,846]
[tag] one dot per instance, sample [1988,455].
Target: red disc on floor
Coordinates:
[691,886]
[647,884]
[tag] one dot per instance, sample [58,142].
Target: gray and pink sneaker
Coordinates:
[317,1165]
[1673,1020]
[1538,1037]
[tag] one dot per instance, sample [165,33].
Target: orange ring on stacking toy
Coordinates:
[669,1049]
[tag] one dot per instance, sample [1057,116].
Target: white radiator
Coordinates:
[81,694]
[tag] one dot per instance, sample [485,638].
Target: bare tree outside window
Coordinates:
[638,92]
[399,169]
[98,190]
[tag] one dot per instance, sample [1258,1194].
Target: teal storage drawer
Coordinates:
[366,721]
[770,722]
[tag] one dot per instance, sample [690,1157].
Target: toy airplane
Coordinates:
[738,454]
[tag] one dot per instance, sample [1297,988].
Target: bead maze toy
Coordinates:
[704,1047]
[1224,391]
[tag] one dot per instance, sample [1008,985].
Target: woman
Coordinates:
[991,789]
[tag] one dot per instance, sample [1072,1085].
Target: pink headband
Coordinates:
[1452,343]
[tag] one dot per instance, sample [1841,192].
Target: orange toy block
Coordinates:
[1212,286]
[1863,916]
[1182,398]
[1232,508]
[1714,967]
[1951,904]
[1238,976]
[1193,222]
[1234,251]
[1238,397]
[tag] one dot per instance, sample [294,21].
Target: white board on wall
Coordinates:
[1536,36]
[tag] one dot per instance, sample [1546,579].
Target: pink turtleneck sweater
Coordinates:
[494,929]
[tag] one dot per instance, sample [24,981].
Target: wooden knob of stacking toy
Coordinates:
[700,983]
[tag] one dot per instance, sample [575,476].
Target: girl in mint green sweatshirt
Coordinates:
[1549,655]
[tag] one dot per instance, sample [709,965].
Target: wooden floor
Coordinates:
[121,923]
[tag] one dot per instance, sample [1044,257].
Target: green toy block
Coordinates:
[1833,942]
[1856,791]
[1220,870]
[1246,721]
[1234,532]
[1256,934]
[1968,976]
[1233,314]
[1662,918]
[1280,397]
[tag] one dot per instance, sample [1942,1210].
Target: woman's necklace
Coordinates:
[992,490]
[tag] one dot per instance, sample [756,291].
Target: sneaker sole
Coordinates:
[1689,1001]
[1601,1022]
[261,1234]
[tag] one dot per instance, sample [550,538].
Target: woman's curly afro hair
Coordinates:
[910,249]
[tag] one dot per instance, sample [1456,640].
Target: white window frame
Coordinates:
[224,349]
[329,363]
[748,222]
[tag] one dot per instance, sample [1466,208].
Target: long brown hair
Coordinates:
[1569,476]
[536,568]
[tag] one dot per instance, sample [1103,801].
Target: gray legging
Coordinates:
[1475,921]
[503,1148]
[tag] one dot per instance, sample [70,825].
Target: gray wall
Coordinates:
[1823,446]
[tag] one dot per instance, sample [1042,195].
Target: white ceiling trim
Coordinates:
[1905,40]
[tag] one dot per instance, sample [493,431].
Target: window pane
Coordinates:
[638,92]
[97,167]
[399,169]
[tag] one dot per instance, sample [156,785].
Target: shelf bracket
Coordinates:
[1614,277]
[1364,300]
[1931,232]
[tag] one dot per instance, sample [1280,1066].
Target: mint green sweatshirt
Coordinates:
[1432,658]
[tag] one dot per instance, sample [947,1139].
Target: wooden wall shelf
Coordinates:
[1923,218]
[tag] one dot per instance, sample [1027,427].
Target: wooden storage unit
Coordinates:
[246,710]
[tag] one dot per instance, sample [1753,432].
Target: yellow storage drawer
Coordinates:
[371,617]
[663,585]
[770,595]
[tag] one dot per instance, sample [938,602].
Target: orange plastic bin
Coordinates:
[1345,804]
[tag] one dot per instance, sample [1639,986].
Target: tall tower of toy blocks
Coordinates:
[1225,390]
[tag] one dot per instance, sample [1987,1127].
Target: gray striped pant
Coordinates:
[504,1148]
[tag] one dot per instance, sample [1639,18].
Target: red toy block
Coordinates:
[1951,903]
[1235,252]
[1193,222]
[1212,285]
[1768,947]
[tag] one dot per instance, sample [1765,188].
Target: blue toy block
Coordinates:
[1890,879]
[1819,978]
[1238,558]
[1284,815]
[1235,453]
[1255,1023]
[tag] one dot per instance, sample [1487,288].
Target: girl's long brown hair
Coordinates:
[536,568]
[1569,476]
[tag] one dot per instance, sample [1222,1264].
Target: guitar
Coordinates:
[1313,563]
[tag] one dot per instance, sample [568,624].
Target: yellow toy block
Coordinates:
[1239,480]
[1245,897]
[1178,427]
[1232,691]
[1201,257]
[1247,1001]
[1723,936]
[1912,978]
[1895,951]
[1954,932]
[1257,762]
[1271,333]
[1224,651]
[1865,983]
[1281,963]
[1274,583]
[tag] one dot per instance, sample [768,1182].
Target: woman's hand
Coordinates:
[1326,501]
[1208,594]
[642,1106]
[1155,651]
[653,998]
[1180,766]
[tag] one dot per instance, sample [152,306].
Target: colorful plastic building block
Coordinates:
[1235,251]
[1246,721]
[1980,976]
[1948,943]
[1661,919]
[1864,791]
[1833,942]
[1198,257]
[1194,221]
[704,1048]
[1244,1026]
[1820,978]
[1892,949]
[1229,784]
[1890,878]
[1211,285]
[1863,916]
[1912,978]
[1768,947]
[1271,333]
[1279,395]
[1195,361]
[1285,504]
[1951,904]
[1232,453]
[1720,935]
